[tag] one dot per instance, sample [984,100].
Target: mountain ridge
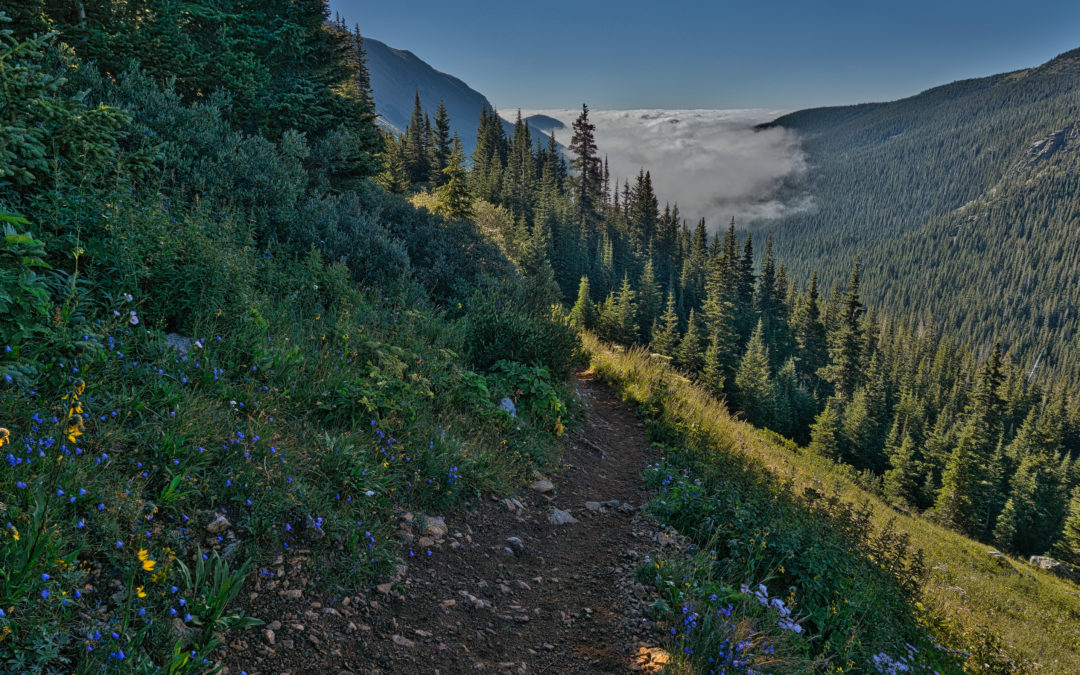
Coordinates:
[397,75]
[889,178]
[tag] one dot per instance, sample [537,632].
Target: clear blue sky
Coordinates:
[617,54]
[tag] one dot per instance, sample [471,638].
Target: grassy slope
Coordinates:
[1031,611]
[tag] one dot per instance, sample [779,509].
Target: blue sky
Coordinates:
[622,54]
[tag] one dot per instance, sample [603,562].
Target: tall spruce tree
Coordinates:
[586,162]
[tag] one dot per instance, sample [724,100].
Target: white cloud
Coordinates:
[711,162]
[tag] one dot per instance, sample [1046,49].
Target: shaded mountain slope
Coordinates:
[890,181]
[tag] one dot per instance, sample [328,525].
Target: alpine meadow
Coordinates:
[315,362]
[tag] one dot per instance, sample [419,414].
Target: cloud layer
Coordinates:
[711,162]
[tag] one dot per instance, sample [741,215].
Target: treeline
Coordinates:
[969,437]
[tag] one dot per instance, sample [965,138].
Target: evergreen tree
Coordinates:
[393,177]
[768,298]
[844,371]
[519,181]
[455,201]
[617,315]
[901,480]
[721,358]
[489,158]
[810,338]
[648,297]
[1034,514]
[588,182]
[536,266]
[753,381]
[583,313]
[956,504]
[864,421]
[417,157]
[825,432]
[745,311]
[665,335]
[443,145]
[27,18]
[1068,548]
[690,354]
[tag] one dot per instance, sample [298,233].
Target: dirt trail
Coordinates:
[558,599]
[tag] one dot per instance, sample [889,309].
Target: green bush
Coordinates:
[501,325]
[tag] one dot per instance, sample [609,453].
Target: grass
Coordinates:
[1008,616]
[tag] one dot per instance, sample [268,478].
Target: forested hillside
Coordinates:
[960,200]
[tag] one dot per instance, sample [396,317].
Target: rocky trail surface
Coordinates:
[537,583]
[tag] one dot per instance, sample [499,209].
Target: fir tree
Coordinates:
[455,201]
[690,354]
[810,339]
[844,372]
[1068,547]
[583,314]
[1034,514]
[753,381]
[443,145]
[825,432]
[901,480]
[648,297]
[745,314]
[393,177]
[665,335]
[417,160]
[587,165]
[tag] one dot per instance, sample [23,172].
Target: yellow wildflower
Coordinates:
[140,592]
[4,436]
[147,563]
[559,428]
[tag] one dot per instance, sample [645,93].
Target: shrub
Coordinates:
[501,325]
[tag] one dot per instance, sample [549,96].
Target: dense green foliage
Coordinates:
[962,202]
[211,315]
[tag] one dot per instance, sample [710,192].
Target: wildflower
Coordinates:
[144,557]
[4,435]
[140,592]
[128,297]
[133,319]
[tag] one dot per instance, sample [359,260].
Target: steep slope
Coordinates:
[397,75]
[882,172]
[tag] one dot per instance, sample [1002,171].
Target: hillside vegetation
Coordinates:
[220,340]
[961,199]
[761,509]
